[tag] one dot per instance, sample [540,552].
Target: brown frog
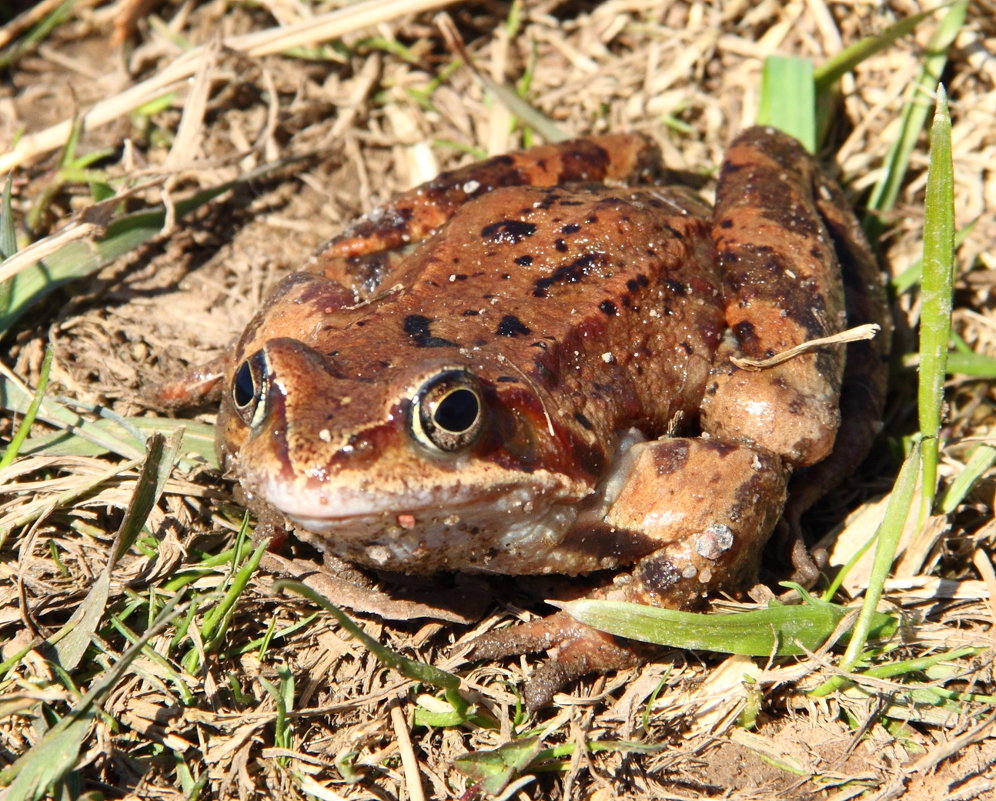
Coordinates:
[518,368]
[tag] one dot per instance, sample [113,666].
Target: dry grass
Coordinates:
[273,702]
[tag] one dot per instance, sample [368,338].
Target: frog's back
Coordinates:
[606,300]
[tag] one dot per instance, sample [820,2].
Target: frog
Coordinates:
[539,364]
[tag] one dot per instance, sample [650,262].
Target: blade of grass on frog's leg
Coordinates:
[788,98]
[896,512]
[935,331]
[936,292]
[775,631]
[29,416]
[885,192]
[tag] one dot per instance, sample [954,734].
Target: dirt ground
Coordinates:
[345,123]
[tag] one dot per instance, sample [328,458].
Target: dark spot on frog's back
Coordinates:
[746,336]
[670,456]
[608,307]
[794,218]
[585,161]
[570,273]
[508,232]
[417,327]
[512,326]
[636,283]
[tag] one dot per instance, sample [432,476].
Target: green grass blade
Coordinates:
[56,753]
[777,630]
[835,67]
[80,258]
[17,441]
[910,277]
[896,512]
[8,233]
[982,458]
[8,242]
[15,397]
[973,364]
[493,770]
[216,621]
[885,192]
[409,668]
[124,437]
[36,35]
[198,439]
[159,463]
[936,291]
[788,98]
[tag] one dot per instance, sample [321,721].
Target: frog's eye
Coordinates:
[249,388]
[447,412]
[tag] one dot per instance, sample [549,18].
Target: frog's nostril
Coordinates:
[249,388]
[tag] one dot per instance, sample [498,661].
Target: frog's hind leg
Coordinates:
[796,267]
[699,511]
[866,373]
[573,649]
[364,255]
[783,287]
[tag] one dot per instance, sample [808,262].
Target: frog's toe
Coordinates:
[573,650]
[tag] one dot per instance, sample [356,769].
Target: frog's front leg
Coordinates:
[700,512]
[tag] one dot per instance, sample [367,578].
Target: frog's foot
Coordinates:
[573,649]
[192,387]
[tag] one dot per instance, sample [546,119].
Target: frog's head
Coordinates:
[393,459]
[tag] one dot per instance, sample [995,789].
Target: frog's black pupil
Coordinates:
[244,389]
[458,411]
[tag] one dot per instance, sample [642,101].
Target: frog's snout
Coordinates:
[264,380]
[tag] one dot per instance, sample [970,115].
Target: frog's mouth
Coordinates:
[351,508]
[504,529]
